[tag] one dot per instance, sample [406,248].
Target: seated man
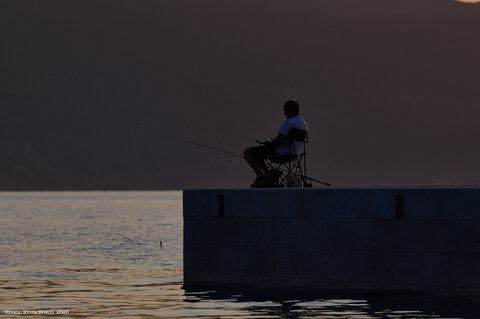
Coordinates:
[276,148]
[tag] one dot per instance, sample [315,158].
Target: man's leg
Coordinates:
[257,164]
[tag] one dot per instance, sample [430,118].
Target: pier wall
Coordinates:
[334,238]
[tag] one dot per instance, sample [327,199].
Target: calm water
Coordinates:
[119,254]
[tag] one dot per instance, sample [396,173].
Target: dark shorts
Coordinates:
[265,152]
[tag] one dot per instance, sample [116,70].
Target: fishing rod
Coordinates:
[316,180]
[230,153]
[203,145]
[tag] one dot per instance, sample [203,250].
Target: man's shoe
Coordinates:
[264,182]
[267,184]
[259,181]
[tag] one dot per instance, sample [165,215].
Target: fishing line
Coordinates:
[202,145]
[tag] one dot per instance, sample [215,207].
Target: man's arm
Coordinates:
[280,137]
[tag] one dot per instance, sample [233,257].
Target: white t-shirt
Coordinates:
[296,122]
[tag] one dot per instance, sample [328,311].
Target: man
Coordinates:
[276,148]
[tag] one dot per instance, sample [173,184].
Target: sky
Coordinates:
[88,90]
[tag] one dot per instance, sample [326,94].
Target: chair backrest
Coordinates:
[294,165]
[297,135]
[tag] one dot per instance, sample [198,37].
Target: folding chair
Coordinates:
[290,170]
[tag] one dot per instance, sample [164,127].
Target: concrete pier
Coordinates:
[335,238]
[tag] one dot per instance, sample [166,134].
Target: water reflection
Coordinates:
[281,303]
[158,292]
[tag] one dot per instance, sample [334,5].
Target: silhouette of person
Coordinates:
[276,147]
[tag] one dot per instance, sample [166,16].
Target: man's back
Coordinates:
[298,123]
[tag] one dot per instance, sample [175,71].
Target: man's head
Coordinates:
[291,108]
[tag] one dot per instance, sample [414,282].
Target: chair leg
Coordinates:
[300,174]
[293,173]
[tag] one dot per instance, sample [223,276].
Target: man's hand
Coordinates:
[280,137]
